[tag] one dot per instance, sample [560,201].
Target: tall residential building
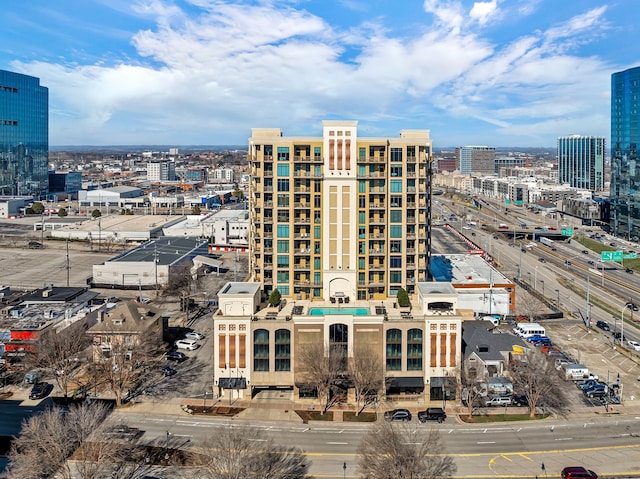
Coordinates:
[161,170]
[476,160]
[581,161]
[24,135]
[339,214]
[625,136]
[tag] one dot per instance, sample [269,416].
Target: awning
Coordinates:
[232,383]
[408,382]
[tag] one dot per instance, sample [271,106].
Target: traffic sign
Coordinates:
[567,231]
[630,256]
[611,255]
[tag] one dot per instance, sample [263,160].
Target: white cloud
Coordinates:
[235,66]
[482,11]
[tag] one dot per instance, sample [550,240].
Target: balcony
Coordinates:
[302,251]
[268,188]
[317,159]
[302,174]
[376,267]
[302,189]
[301,205]
[268,220]
[301,221]
[302,266]
[267,173]
[411,159]
[377,206]
[301,159]
[410,174]
[374,220]
[376,252]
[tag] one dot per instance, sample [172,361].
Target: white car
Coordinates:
[634,344]
[194,335]
[189,344]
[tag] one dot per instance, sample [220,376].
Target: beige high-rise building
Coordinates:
[340,216]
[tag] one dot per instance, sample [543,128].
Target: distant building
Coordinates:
[223,174]
[476,160]
[625,136]
[581,161]
[161,170]
[24,135]
[69,183]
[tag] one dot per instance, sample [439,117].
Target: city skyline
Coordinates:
[518,73]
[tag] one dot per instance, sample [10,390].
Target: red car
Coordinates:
[578,472]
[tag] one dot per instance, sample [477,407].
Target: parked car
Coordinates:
[432,414]
[520,400]
[122,431]
[176,356]
[539,339]
[188,344]
[634,344]
[168,371]
[603,325]
[587,384]
[498,401]
[194,335]
[597,390]
[398,415]
[40,390]
[577,472]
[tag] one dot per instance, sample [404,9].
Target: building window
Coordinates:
[283,184]
[283,201]
[283,261]
[338,344]
[396,171]
[414,350]
[261,350]
[396,154]
[283,350]
[395,216]
[316,263]
[362,153]
[395,277]
[283,246]
[395,262]
[395,186]
[283,153]
[317,232]
[283,170]
[394,350]
[395,231]
[283,231]
[316,151]
[283,277]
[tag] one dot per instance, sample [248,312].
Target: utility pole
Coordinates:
[68,263]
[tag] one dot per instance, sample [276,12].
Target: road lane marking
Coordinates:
[485,442]
[563,439]
[338,443]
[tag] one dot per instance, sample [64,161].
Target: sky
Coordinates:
[204,72]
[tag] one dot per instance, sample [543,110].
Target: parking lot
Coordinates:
[595,349]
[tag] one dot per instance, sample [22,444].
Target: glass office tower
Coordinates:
[581,161]
[24,135]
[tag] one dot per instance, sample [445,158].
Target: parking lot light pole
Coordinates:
[628,305]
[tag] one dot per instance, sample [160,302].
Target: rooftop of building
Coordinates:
[120,223]
[58,294]
[237,287]
[165,250]
[465,269]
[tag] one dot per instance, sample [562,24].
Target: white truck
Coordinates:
[546,241]
[575,372]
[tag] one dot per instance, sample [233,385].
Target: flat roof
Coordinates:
[465,269]
[123,223]
[166,250]
[236,287]
[434,287]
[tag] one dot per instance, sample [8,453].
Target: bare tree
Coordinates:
[535,377]
[320,369]
[124,364]
[470,392]
[58,353]
[531,307]
[68,444]
[366,373]
[397,452]
[242,452]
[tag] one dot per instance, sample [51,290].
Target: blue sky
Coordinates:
[204,72]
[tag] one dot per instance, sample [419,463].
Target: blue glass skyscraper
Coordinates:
[625,172]
[24,135]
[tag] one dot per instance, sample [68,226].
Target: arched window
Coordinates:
[414,350]
[283,350]
[339,344]
[261,350]
[394,350]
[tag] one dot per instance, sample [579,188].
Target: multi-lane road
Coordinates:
[608,445]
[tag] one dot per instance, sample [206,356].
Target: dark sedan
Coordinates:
[40,390]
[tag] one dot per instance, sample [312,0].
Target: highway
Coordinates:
[608,445]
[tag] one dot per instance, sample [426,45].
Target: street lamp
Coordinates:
[542,282]
[535,279]
[558,293]
[166,446]
[628,305]
[344,470]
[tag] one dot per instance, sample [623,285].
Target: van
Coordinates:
[492,319]
[497,401]
[526,330]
